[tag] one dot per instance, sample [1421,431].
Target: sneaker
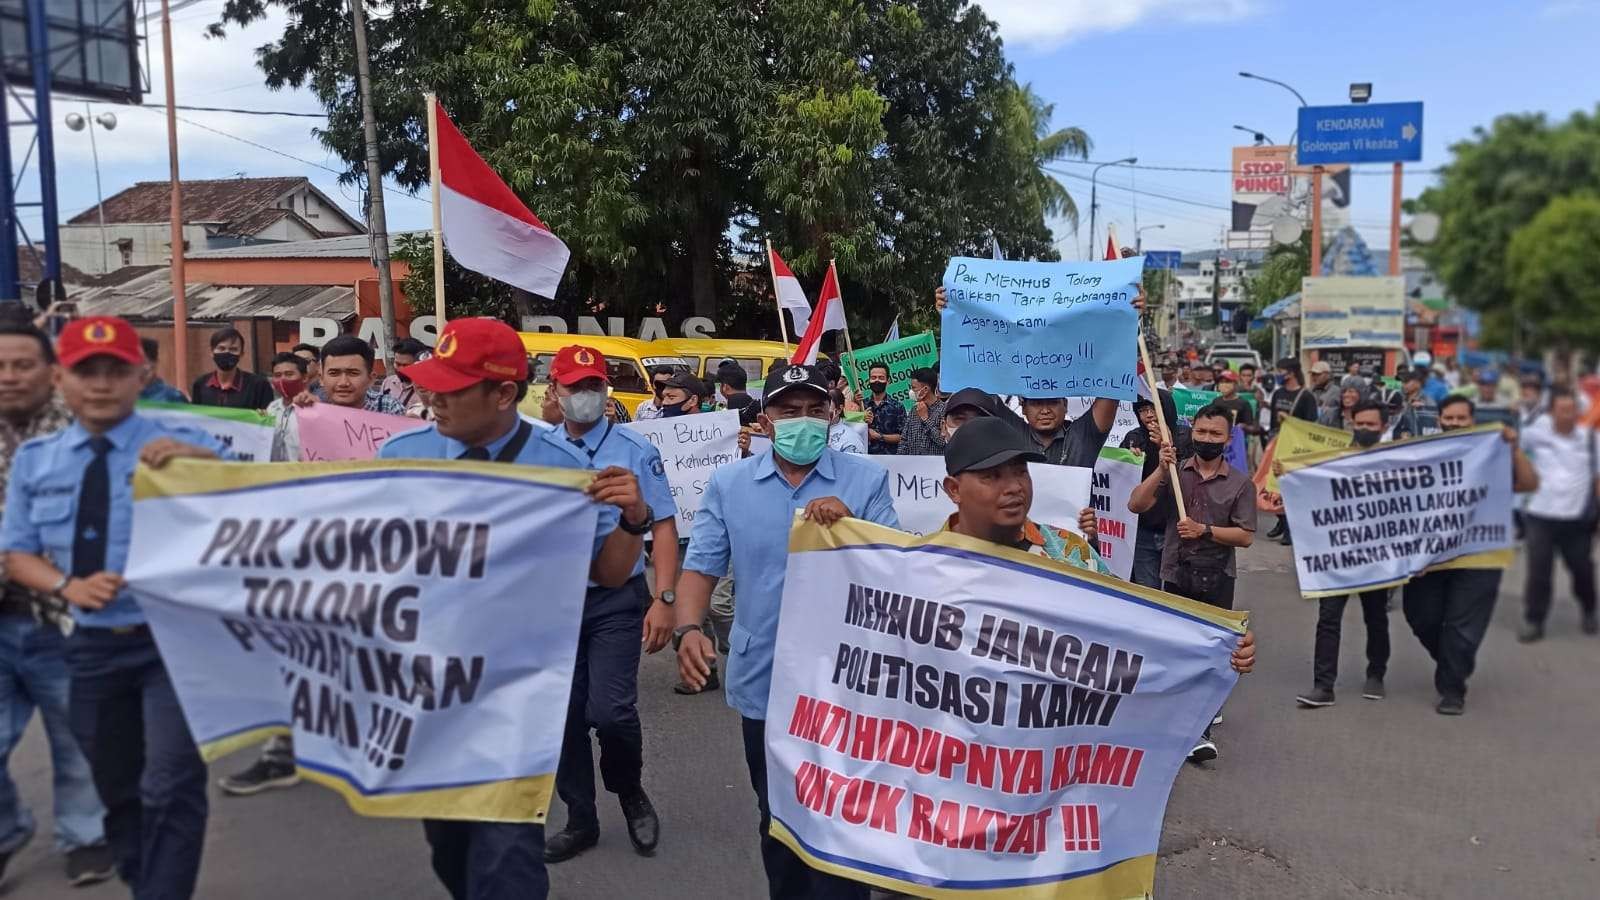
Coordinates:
[263,775]
[1316,697]
[1591,623]
[91,864]
[1451,706]
[1205,751]
[1530,632]
[1373,689]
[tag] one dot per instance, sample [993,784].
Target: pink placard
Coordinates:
[329,432]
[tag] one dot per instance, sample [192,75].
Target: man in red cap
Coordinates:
[477,375]
[68,522]
[605,684]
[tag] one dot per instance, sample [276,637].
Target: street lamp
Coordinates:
[1275,81]
[1138,236]
[108,121]
[1094,203]
[1260,137]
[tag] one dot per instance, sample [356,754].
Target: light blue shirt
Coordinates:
[744,519]
[42,501]
[609,445]
[428,443]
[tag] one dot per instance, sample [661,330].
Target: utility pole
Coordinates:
[377,224]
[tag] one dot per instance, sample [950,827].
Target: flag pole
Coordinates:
[783,327]
[1155,397]
[850,370]
[438,214]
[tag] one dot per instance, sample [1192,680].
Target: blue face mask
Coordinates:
[800,441]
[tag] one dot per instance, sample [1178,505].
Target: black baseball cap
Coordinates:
[687,382]
[986,443]
[786,378]
[982,401]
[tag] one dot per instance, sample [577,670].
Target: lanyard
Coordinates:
[509,452]
[578,442]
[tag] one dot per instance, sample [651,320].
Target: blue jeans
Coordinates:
[145,763]
[33,673]
[1147,558]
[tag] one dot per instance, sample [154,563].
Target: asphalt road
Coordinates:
[1361,799]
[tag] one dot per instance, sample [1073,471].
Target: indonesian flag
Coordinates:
[829,316]
[790,295]
[1112,250]
[487,228]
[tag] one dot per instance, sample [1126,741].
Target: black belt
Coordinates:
[13,605]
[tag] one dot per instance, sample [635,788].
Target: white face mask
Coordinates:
[584,407]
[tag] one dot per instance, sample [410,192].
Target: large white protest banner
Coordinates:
[951,716]
[405,645]
[1125,422]
[692,448]
[244,431]
[1116,474]
[1059,492]
[1365,519]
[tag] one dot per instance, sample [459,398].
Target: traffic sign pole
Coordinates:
[1316,221]
[1394,224]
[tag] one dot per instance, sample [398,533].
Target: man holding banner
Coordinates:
[744,521]
[476,387]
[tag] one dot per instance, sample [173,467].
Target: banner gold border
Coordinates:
[189,477]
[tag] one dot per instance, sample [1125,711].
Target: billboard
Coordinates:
[1266,185]
[1344,311]
[93,47]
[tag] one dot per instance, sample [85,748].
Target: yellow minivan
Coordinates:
[628,362]
[705,354]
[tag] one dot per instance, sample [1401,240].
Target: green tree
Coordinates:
[1495,183]
[1280,274]
[1553,276]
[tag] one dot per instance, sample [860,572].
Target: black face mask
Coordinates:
[1208,450]
[878,387]
[669,412]
[1365,438]
[227,362]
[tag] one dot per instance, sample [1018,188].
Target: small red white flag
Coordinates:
[487,228]
[790,295]
[828,316]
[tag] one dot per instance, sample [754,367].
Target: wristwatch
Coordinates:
[679,632]
[61,585]
[649,520]
[669,597]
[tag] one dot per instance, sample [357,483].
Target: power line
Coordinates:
[220,109]
[1230,171]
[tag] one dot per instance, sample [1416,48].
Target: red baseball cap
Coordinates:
[577,362]
[471,351]
[99,336]
[1228,375]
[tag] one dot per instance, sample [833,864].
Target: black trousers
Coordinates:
[788,877]
[1222,599]
[1449,612]
[1330,619]
[488,860]
[605,698]
[1575,542]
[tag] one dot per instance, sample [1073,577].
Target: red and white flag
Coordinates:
[487,228]
[828,316]
[790,295]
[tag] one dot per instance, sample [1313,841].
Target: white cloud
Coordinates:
[1045,23]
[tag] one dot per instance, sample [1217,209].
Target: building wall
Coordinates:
[324,217]
[151,244]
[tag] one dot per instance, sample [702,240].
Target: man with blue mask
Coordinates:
[744,520]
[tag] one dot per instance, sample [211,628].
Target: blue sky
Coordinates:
[1155,79]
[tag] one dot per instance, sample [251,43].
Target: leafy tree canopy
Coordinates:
[1553,275]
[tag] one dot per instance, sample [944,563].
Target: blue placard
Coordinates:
[1041,329]
[1163,259]
[1360,133]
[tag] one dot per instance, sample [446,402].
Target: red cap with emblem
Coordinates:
[471,351]
[98,336]
[577,362]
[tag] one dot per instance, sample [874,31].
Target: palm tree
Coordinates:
[1052,146]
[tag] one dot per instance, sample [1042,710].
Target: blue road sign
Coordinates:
[1360,133]
[1163,259]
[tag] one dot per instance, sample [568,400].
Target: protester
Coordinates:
[230,385]
[1202,378]
[1418,414]
[1435,387]
[922,435]
[886,416]
[1531,402]
[154,388]
[1562,514]
[650,409]
[1367,426]
[732,381]
[681,395]
[1151,537]
[1324,387]
[1198,558]
[347,378]
[1449,609]
[33,662]
[289,371]
[744,519]
[963,406]
[397,384]
[1249,387]
[1488,385]
[841,437]
[67,527]
[1353,378]
[1290,399]
[1169,373]
[989,483]
[1238,407]
[1340,416]
[476,387]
